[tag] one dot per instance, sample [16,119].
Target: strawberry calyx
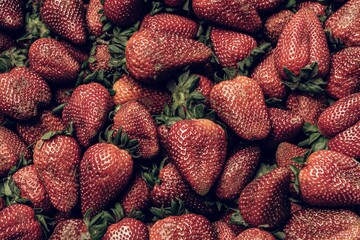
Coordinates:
[157,6]
[264,169]
[335,44]
[44,221]
[151,174]
[68,131]
[11,193]
[237,219]
[13,57]
[176,208]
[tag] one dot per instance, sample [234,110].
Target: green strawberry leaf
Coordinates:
[296,172]
[237,219]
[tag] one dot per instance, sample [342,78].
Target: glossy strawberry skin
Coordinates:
[123,13]
[326,168]
[223,230]
[199,168]
[275,24]
[74,228]
[5,41]
[93,18]
[255,234]
[127,228]
[11,15]
[240,104]
[23,93]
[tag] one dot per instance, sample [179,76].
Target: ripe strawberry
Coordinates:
[187,226]
[264,201]
[63,94]
[127,228]
[238,171]
[173,3]
[2,204]
[70,229]
[171,24]
[65,18]
[286,152]
[239,15]
[344,73]
[5,41]
[240,104]
[153,56]
[23,93]
[11,148]
[237,229]
[199,168]
[223,231]
[93,17]
[231,47]
[102,58]
[79,54]
[11,14]
[255,234]
[88,109]
[326,168]
[266,5]
[301,43]
[317,7]
[204,87]
[344,23]
[275,24]
[313,224]
[123,13]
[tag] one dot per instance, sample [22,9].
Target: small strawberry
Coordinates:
[275,24]
[286,152]
[70,229]
[5,41]
[123,13]
[11,14]
[229,218]
[127,228]
[102,58]
[223,231]
[255,234]
[204,87]
[93,17]
[63,94]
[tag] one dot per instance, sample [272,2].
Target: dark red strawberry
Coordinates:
[316,224]
[317,7]
[62,95]
[70,229]
[2,204]
[267,5]
[65,18]
[264,201]
[23,93]
[199,168]
[11,14]
[79,54]
[127,228]
[326,168]
[275,24]
[123,12]
[173,3]
[240,15]
[223,231]
[93,17]
[286,152]
[237,229]
[171,24]
[102,58]
[204,86]
[344,73]
[238,171]
[241,105]
[255,234]
[163,133]
[5,41]
[153,56]
[88,109]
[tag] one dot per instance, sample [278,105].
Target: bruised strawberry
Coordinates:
[5,41]
[18,222]
[316,224]
[275,24]
[88,109]
[65,18]
[264,201]
[199,168]
[93,17]
[240,15]
[23,93]
[170,24]
[255,234]
[123,12]
[344,73]
[102,58]
[223,231]
[241,105]
[153,56]
[326,168]
[70,229]
[11,15]
[127,228]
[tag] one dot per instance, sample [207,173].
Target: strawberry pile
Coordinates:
[178,119]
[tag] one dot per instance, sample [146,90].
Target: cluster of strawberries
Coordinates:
[174,119]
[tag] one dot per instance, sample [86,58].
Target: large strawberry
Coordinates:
[153,56]
[199,168]
[127,228]
[102,58]
[70,229]
[123,12]
[326,168]
[241,105]
[65,18]
[275,24]
[11,15]
[255,234]
[223,231]
[93,17]
[23,93]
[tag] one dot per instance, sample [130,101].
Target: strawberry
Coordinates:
[347,142]
[5,41]
[223,231]
[173,3]
[65,18]
[123,13]
[187,226]
[255,234]
[264,201]
[70,229]
[57,159]
[93,17]
[238,171]
[228,217]
[199,168]
[344,23]
[102,58]
[239,15]
[11,149]
[153,56]
[275,24]
[204,86]
[285,152]
[313,224]
[79,54]
[231,47]
[127,228]
[267,5]
[88,109]
[18,222]
[63,95]
[240,104]
[326,168]
[171,24]
[317,7]
[11,14]
[24,92]
[2,204]
[344,73]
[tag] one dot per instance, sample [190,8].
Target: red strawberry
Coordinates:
[123,13]
[65,18]
[317,7]
[275,24]
[199,168]
[153,56]
[301,43]
[239,15]
[127,228]
[264,201]
[2,204]
[11,15]
[173,3]
[171,24]
[102,58]
[223,231]
[314,224]
[5,41]
[240,104]
[93,17]
[326,168]
[286,152]
[187,226]
[70,229]
[88,109]
[344,23]
[231,47]
[237,229]
[255,234]
[23,93]
[79,54]
[267,5]
[62,95]
[344,74]
[238,171]
[204,86]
